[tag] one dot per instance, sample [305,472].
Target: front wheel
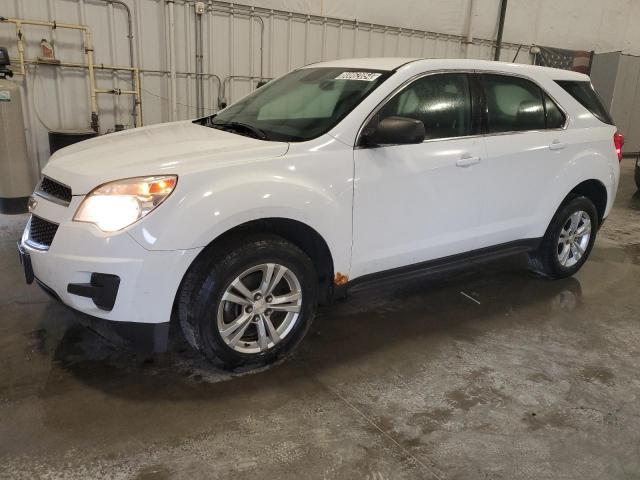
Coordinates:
[568,240]
[251,304]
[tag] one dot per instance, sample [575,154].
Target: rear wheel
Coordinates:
[568,240]
[250,305]
[637,174]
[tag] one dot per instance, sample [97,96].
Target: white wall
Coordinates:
[58,97]
[600,25]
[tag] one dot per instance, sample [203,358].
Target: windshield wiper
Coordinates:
[234,126]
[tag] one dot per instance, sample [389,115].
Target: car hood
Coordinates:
[171,148]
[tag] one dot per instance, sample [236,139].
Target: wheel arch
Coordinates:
[595,191]
[300,234]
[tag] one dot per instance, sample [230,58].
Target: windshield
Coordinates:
[299,106]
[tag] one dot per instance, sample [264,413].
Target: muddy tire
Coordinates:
[568,240]
[249,304]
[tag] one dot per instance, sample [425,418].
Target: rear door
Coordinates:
[526,147]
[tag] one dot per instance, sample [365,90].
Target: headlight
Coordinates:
[116,205]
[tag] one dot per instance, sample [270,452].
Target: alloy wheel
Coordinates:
[574,239]
[259,308]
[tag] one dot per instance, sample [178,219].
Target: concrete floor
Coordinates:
[539,380]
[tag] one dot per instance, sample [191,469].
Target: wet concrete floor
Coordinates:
[526,379]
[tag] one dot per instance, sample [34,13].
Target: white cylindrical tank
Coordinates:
[18,175]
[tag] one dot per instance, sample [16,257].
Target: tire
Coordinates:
[243,330]
[637,174]
[548,258]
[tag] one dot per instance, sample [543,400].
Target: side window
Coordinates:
[441,101]
[513,104]
[555,117]
[584,93]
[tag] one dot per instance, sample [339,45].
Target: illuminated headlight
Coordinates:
[116,205]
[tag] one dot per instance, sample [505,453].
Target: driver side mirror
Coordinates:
[393,131]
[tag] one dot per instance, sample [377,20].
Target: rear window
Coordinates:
[584,93]
[514,104]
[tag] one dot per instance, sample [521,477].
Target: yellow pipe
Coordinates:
[136,81]
[99,66]
[90,66]
[136,78]
[119,92]
[88,50]
[20,48]
[43,23]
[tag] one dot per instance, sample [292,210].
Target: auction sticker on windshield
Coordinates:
[363,76]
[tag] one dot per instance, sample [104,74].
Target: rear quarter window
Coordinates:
[584,93]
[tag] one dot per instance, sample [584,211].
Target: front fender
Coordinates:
[313,189]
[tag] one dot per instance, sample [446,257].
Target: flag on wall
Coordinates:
[576,60]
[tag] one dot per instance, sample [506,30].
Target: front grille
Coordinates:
[41,232]
[54,191]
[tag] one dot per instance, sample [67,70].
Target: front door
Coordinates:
[414,203]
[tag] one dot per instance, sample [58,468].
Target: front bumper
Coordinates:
[142,337]
[147,280]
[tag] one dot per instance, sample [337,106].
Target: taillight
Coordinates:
[618,141]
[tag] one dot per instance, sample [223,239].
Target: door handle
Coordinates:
[467,161]
[557,145]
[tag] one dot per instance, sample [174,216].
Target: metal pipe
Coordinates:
[43,23]
[134,106]
[469,34]
[187,51]
[103,66]
[137,98]
[59,91]
[172,60]
[289,41]
[96,66]
[270,44]
[135,72]
[231,53]
[88,49]
[199,67]
[129,26]
[136,103]
[139,28]
[115,91]
[246,9]
[20,47]
[90,66]
[261,20]
[503,13]
[115,79]
[250,47]
[251,14]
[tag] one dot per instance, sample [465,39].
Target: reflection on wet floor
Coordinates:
[376,319]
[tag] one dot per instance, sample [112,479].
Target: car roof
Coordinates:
[394,63]
[379,63]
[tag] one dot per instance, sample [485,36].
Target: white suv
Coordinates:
[334,177]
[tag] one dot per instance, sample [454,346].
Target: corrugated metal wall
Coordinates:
[241,44]
[616,77]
